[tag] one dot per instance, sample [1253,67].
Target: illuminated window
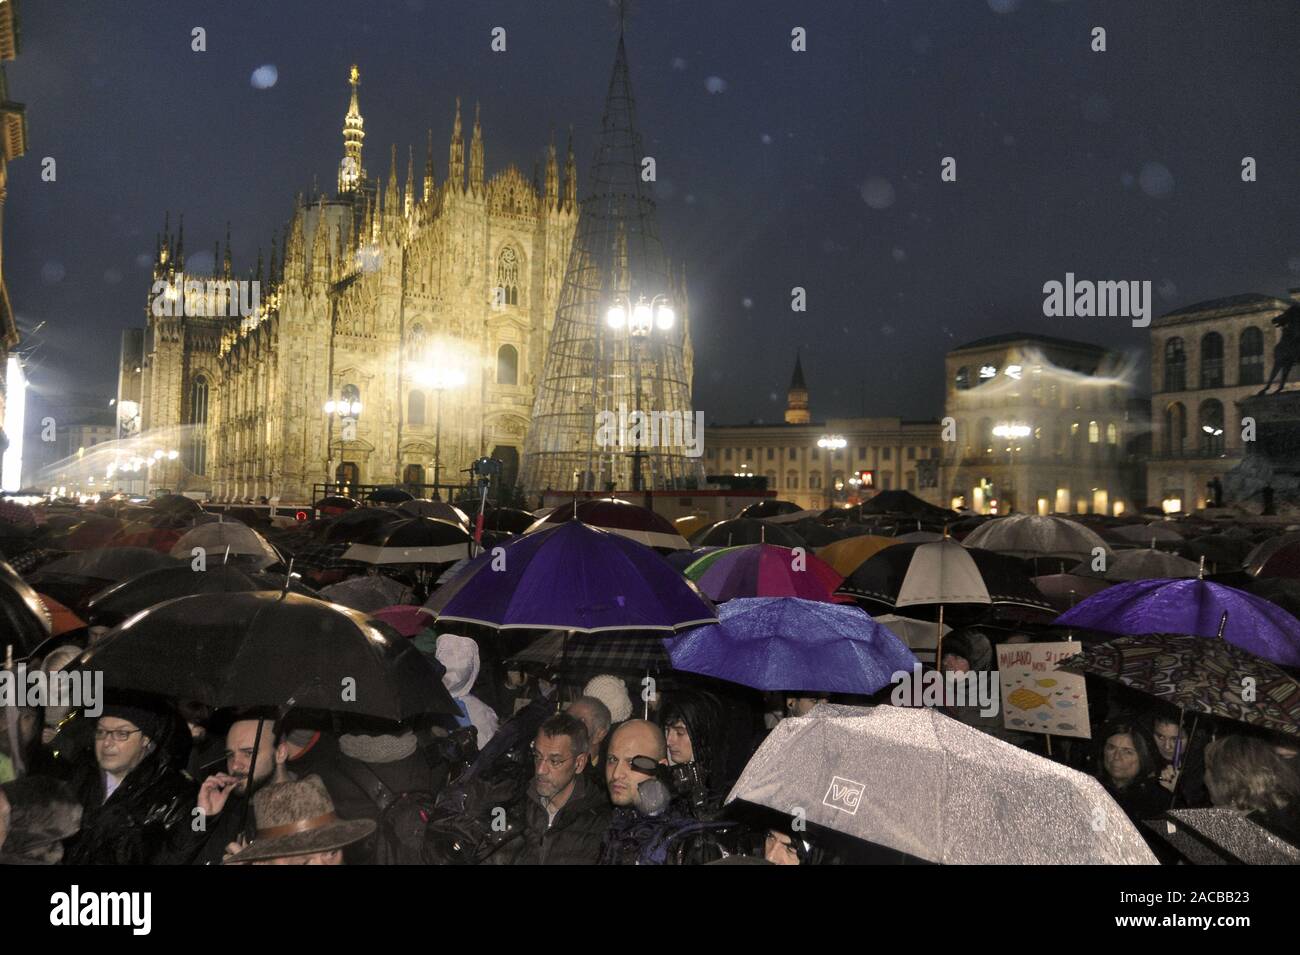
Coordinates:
[508,275]
[1112,434]
[1094,432]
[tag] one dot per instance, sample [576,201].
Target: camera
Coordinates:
[485,469]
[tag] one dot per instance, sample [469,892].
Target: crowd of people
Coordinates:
[529,773]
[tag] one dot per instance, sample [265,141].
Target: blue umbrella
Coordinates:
[574,577]
[787,643]
[1195,608]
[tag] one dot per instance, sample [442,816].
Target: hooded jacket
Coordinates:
[459,656]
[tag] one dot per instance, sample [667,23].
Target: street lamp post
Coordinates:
[639,321]
[347,406]
[438,380]
[831,443]
[1013,433]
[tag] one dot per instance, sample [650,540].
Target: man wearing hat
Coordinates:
[136,805]
[297,825]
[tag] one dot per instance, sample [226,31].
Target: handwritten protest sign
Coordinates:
[1036,697]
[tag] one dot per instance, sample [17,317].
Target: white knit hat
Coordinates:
[611,691]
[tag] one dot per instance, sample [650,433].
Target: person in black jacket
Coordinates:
[370,775]
[136,804]
[565,814]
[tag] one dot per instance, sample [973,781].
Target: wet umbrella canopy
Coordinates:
[919,782]
[264,649]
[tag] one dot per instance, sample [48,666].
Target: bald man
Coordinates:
[632,739]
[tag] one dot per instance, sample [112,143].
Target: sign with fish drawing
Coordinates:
[1036,697]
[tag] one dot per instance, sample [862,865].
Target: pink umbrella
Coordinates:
[404,618]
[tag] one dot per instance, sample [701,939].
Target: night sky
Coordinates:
[776,169]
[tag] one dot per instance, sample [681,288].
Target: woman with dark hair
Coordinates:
[1126,768]
[1245,773]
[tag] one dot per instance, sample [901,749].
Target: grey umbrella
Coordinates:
[1033,535]
[922,783]
[1223,837]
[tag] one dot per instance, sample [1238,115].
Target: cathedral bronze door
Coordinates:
[347,474]
[413,478]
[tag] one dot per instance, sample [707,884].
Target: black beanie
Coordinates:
[147,721]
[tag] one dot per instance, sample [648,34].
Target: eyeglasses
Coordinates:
[555,761]
[120,736]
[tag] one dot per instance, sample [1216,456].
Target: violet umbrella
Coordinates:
[572,577]
[785,643]
[1195,607]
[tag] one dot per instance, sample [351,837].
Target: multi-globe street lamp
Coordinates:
[831,443]
[638,322]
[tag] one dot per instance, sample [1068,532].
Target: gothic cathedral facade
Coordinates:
[396,336]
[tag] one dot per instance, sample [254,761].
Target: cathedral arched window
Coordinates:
[416,403]
[415,343]
[508,276]
[197,450]
[507,365]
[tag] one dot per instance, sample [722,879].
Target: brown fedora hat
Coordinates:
[297,818]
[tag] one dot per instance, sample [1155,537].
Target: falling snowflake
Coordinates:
[878,193]
[765,139]
[264,77]
[747,302]
[715,84]
[1155,180]
[887,329]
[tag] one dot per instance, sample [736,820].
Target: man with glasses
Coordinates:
[565,815]
[136,805]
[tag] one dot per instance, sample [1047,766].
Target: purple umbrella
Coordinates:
[787,643]
[1194,607]
[574,577]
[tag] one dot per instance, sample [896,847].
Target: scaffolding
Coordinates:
[613,409]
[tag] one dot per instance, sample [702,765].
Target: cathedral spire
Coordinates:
[428,170]
[476,157]
[552,176]
[410,181]
[229,266]
[570,177]
[351,172]
[456,159]
[320,247]
[391,195]
[270,270]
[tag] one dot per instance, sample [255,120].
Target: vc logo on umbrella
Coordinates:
[844,795]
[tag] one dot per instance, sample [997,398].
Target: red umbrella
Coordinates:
[1282,560]
[94,532]
[405,619]
[618,517]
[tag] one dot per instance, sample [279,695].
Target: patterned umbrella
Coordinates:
[1206,676]
[572,577]
[765,570]
[1192,607]
[784,643]
[573,656]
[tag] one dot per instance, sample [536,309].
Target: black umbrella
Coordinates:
[508,519]
[266,649]
[357,525]
[744,530]
[417,540]
[905,502]
[115,604]
[877,582]
[390,495]
[770,508]
[580,655]
[177,504]
[74,579]
[24,621]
